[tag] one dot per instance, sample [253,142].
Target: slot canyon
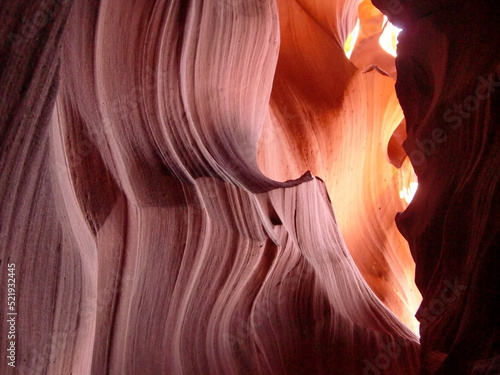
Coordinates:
[261,187]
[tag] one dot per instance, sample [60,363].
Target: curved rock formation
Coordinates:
[335,120]
[161,208]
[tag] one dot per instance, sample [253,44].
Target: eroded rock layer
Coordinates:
[336,120]
[158,208]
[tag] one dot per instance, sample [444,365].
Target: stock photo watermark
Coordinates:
[394,7]
[454,115]
[119,107]
[31,26]
[11,314]
[391,351]
[261,313]
[39,357]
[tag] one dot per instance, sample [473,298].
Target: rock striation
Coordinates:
[209,187]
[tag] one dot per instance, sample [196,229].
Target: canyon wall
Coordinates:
[448,67]
[210,187]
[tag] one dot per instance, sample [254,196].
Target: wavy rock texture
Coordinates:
[157,204]
[335,120]
[448,85]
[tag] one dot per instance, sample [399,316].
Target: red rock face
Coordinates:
[161,212]
[320,100]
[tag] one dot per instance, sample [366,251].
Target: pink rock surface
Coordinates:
[161,206]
